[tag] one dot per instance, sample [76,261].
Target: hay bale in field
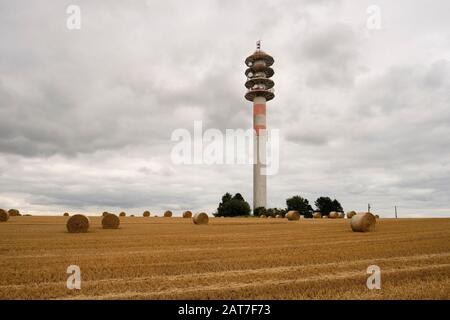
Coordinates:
[66,214]
[377,216]
[341,215]
[104,214]
[4,215]
[350,214]
[263,216]
[325,217]
[187,214]
[317,215]
[132,216]
[168,214]
[279,216]
[122,214]
[293,215]
[270,217]
[14,213]
[78,223]
[333,215]
[363,222]
[200,218]
[146,213]
[110,221]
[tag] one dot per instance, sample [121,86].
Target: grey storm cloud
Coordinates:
[86,116]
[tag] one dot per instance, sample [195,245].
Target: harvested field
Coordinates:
[231,258]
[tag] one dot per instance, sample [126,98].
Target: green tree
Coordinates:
[325,205]
[233,206]
[259,211]
[301,205]
[238,196]
[337,206]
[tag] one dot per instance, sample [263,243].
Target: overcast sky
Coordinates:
[86,115]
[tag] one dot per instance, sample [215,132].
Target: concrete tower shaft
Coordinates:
[260,90]
[259,125]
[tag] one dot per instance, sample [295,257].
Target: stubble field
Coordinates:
[231,258]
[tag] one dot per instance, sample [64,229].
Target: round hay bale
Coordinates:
[146,213]
[325,217]
[168,214]
[293,215]
[377,216]
[104,214]
[66,214]
[341,215]
[110,221]
[4,215]
[270,217]
[333,215]
[317,215]
[187,214]
[350,214]
[279,216]
[263,216]
[122,214]
[200,218]
[363,222]
[132,216]
[14,213]
[78,223]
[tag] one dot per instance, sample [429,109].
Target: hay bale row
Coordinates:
[350,214]
[187,214]
[4,215]
[200,218]
[146,214]
[363,222]
[110,221]
[293,215]
[317,215]
[168,214]
[78,223]
[333,215]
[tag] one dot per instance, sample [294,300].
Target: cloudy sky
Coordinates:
[86,116]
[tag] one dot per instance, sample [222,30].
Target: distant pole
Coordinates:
[395,212]
[368,207]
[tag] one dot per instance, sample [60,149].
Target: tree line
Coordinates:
[233,206]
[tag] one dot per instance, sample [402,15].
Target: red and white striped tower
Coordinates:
[260,90]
